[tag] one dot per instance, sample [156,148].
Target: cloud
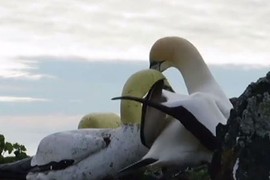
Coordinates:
[9,99]
[13,68]
[126,30]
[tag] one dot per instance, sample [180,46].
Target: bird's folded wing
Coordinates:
[200,115]
[197,115]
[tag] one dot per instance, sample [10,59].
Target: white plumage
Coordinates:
[193,140]
[96,153]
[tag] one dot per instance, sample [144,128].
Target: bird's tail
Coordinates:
[16,170]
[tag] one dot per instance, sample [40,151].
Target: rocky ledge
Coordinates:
[244,153]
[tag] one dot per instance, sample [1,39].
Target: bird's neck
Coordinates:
[196,74]
[130,112]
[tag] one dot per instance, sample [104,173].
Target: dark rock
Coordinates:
[244,153]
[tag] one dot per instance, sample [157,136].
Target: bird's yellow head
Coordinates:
[138,85]
[100,120]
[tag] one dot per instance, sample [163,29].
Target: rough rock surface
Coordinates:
[244,153]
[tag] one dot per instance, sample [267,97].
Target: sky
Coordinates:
[63,59]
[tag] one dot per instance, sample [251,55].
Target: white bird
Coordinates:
[96,153]
[179,53]
[100,120]
[19,169]
[193,140]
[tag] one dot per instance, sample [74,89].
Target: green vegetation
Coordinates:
[11,152]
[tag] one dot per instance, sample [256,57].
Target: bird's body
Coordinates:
[193,139]
[98,154]
[18,170]
[177,144]
[173,148]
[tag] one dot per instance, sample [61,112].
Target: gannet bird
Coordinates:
[17,170]
[179,53]
[193,139]
[96,153]
[100,120]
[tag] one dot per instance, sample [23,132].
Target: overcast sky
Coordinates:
[223,31]
[41,41]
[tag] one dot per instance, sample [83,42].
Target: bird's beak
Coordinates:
[156,65]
